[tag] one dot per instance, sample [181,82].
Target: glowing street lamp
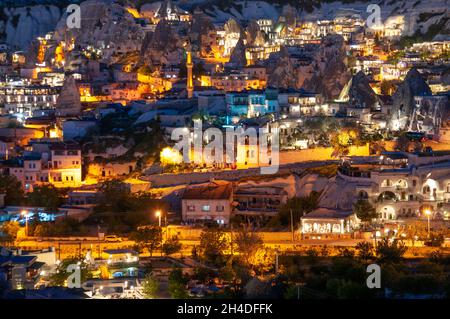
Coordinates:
[158,214]
[428,213]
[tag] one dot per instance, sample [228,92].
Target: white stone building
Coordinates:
[208,203]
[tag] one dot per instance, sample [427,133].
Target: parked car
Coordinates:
[113,239]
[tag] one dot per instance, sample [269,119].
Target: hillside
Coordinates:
[32,18]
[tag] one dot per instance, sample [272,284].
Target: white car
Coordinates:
[113,239]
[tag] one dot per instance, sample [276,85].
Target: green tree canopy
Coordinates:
[390,252]
[47,196]
[213,243]
[247,243]
[171,246]
[150,286]
[12,188]
[364,210]
[148,237]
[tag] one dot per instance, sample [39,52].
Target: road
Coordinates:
[66,248]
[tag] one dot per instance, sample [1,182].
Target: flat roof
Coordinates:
[328,213]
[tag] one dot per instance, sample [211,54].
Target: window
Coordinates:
[220,208]
[191,208]
[206,208]
[386,183]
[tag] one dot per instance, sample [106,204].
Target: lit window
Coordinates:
[206,208]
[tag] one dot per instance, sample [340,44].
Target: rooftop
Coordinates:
[326,213]
[214,190]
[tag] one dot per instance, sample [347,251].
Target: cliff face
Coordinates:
[420,15]
[105,26]
[22,20]
[19,26]
[160,45]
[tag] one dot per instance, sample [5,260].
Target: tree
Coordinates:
[257,289]
[61,275]
[365,250]
[213,243]
[247,242]
[390,252]
[12,188]
[47,196]
[115,196]
[364,210]
[148,237]
[299,206]
[150,287]
[177,284]
[10,230]
[42,230]
[171,246]
[264,259]
[404,143]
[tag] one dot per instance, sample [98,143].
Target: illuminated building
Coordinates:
[20,271]
[60,166]
[232,82]
[170,12]
[265,25]
[251,103]
[208,203]
[24,99]
[259,53]
[326,222]
[393,72]
[296,103]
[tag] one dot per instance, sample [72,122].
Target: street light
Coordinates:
[25,214]
[428,213]
[158,214]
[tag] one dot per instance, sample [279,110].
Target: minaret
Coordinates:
[189,66]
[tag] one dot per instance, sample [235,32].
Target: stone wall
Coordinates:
[290,161]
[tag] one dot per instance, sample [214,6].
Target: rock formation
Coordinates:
[237,58]
[68,102]
[284,74]
[253,35]
[403,99]
[157,46]
[358,92]
[106,27]
[330,71]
